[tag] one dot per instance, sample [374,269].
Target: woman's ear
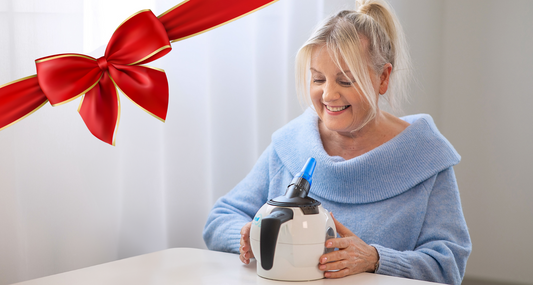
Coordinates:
[384,78]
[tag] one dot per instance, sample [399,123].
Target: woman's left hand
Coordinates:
[354,255]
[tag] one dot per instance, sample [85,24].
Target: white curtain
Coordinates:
[68,201]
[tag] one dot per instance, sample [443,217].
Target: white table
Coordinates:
[192,266]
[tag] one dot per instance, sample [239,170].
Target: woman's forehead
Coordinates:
[323,57]
[332,52]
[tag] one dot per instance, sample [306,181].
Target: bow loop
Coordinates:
[140,39]
[65,77]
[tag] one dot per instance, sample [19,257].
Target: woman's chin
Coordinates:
[336,127]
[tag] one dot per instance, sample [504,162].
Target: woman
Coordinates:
[388,181]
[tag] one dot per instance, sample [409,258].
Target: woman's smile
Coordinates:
[336,110]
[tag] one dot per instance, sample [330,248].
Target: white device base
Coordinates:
[306,258]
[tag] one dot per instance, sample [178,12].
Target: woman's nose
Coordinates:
[330,93]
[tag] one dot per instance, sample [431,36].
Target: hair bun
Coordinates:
[364,6]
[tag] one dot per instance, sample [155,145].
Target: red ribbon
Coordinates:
[19,99]
[190,18]
[142,38]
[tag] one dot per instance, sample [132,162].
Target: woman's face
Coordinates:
[337,98]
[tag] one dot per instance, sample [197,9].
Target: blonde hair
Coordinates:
[341,35]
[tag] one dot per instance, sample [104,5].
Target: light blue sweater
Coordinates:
[401,197]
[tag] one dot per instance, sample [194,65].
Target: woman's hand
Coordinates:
[245,249]
[354,255]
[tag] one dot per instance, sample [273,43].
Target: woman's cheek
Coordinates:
[316,96]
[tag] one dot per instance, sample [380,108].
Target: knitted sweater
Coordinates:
[401,197]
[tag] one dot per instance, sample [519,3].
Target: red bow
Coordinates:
[140,39]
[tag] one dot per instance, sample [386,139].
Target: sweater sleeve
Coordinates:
[443,245]
[232,211]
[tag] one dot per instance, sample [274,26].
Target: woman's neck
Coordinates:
[378,131]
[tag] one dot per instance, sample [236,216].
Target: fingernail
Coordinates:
[322,267]
[324,259]
[330,244]
[327,274]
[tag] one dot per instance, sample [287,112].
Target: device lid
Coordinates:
[297,191]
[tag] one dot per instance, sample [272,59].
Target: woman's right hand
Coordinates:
[246,249]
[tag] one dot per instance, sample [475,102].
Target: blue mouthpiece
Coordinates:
[297,191]
[307,170]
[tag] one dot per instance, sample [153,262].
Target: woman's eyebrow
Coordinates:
[344,72]
[340,73]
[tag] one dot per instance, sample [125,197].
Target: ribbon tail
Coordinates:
[193,17]
[100,110]
[19,99]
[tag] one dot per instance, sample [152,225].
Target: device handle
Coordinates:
[270,226]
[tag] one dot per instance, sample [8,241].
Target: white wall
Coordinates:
[486,113]
[473,61]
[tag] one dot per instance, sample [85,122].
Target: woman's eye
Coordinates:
[346,83]
[318,81]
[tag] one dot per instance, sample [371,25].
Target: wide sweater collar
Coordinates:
[413,156]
